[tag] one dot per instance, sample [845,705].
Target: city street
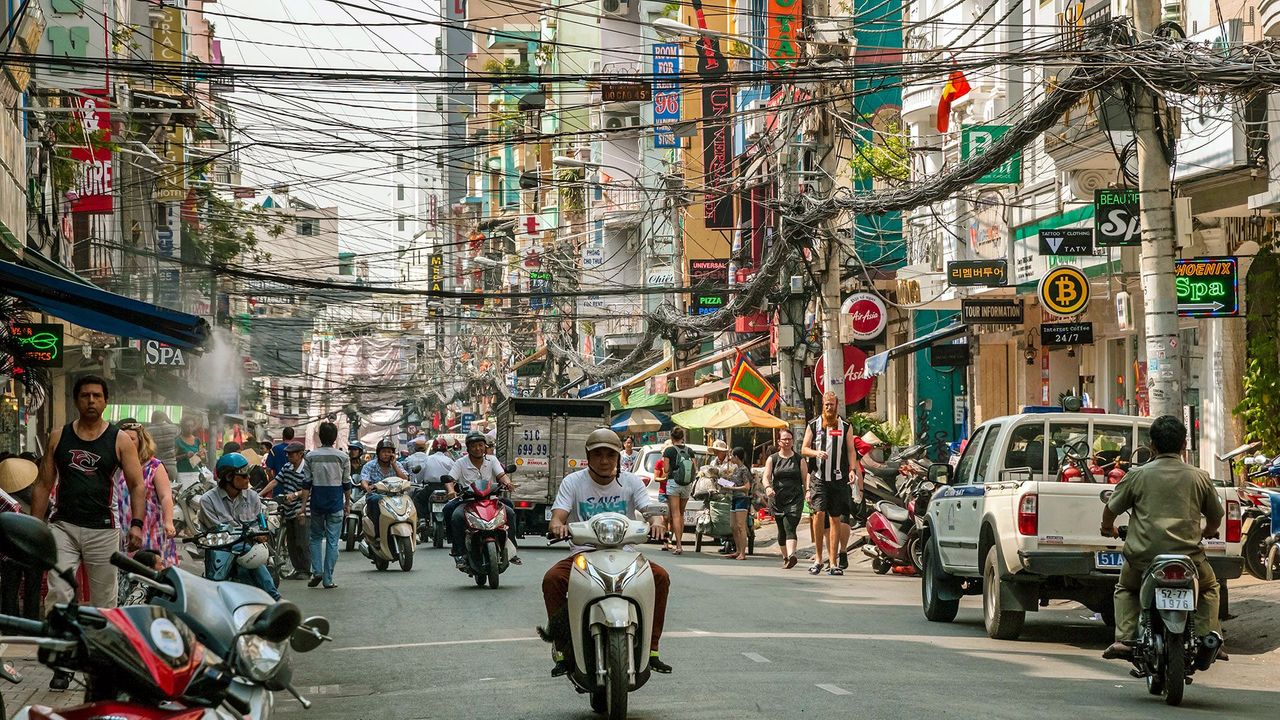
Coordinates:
[747,640]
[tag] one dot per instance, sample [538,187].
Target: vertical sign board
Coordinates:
[783,24]
[707,277]
[717,151]
[166,47]
[666,94]
[1207,287]
[540,282]
[1115,218]
[435,281]
[975,141]
[41,343]
[76,30]
[93,183]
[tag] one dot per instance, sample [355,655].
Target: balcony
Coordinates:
[1269,10]
[621,206]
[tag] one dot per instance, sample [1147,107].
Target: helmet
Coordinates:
[476,437]
[229,464]
[256,557]
[355,445]
[439,445]
[604,437]
[386,444]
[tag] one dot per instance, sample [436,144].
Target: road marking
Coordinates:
[755,657]
[834,689]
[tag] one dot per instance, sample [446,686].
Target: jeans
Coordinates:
[297,538]
[453,515]
[324,545]
[221,565]
[93,549]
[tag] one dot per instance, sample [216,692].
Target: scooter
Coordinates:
[484,553]
[611,596]
[395,537]
[431,528]
[241,541]
[351,526]
[1169,650]
[148,661]
[187,489]
[895,531]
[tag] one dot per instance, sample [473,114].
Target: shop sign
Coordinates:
[1061,334]
[1115,218]
[93,183]
[1207,287]
[856,385]
[76,30]
[1066,241]
[949,355]
[706,277]
[625,92]
[158,353]
[784,23]
[717,156]
[540,283]
[1213,136]
[1029,264]
[867,315]
[980,273]
[531,369]
[991,312]
[975,141]
[666,94]
[464,423]
[1064,291]
[435,272]
[41,343]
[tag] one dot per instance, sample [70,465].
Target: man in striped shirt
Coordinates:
[294,512]
[829,440]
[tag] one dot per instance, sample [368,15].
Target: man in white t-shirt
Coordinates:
[602,487]
[467,470]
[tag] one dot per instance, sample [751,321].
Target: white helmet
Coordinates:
[604,437]
[255,558]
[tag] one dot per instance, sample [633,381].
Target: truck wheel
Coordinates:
[1001,624]
[935,608]
[1254,551]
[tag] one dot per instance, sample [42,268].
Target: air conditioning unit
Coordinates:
[615,7]
[619,122]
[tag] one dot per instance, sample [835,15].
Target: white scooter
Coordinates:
[396,535]
[611,595]
[187,489]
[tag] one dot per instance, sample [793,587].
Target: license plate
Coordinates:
[547,515]
[1109,560]
[1175,599]
[691,517]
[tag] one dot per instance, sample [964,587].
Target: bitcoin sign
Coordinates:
[1064,291]
[1207,287]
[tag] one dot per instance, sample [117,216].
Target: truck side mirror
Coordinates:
[940,473]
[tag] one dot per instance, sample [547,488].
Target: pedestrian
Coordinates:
[165,435]
[19,584]
[835,472]
[157,530]
[190,449]
[277,455]
[83,458]
[289,493]
[680,476]
[740,486]
[786,482]
[629,454]
[721,470]
[327,485]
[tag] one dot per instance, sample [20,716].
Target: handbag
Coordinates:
[705,486]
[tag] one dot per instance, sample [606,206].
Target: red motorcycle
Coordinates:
[485,552]
[143,662]
[894,530]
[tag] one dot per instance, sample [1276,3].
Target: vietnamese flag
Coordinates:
[957,87]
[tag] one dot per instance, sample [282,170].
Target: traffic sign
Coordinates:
[1208,286]
[1064,291]
[466,420]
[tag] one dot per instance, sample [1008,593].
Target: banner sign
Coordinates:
[717,149]
[1115,218]
[1066,241]
[949,355]
[1061,334]
[41,343]
[991,312]
[975,140]
[707,278]
[982,273]
[91,191]
[784,22]
[1207,287]
[666,94]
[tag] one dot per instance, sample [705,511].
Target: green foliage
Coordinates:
[897,434]
[671,10]
[507,67]
[573,193]
[228,232]
[1259,407]
[885,158]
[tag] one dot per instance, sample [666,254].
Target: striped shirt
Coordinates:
[328,477]
[290,480]
[833,441]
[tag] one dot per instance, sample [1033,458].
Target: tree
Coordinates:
[882,156]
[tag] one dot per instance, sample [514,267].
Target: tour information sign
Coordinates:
[1208,287]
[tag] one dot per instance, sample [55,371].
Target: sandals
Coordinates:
[515,560]
[834,571]
[816,568]
[789,562]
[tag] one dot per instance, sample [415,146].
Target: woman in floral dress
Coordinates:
[157,528]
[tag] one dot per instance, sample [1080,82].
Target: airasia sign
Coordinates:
[868,315]
[856,386]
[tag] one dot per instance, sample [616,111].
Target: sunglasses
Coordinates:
[131,426]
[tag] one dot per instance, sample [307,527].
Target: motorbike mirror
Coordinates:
[509,469]
[310,634]
[1141,455]
[27,541]
[940,473]
[277,622]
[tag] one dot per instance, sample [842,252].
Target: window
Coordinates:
[1062,434]
[306,227]
[303,401]
[965,468]
[400,223]
[399,191]
[1026,448]
[988,470]
[288,401]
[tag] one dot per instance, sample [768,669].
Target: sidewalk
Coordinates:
[34,688]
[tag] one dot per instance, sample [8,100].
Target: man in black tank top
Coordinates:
[82,459]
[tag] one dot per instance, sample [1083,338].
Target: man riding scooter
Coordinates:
[1165,499]
[600,488]
[233,502]
[469,468]
[383,466]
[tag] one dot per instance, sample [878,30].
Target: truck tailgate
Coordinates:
[1070,514]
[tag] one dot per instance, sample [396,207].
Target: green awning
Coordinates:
[638,398]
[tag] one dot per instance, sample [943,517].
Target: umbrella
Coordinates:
[727,414]
[638,421]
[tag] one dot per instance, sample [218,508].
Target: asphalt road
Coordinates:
[747,639]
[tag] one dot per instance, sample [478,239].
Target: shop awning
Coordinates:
[637,398]
[639,377]
[877,363]
[91,307]
[700,391]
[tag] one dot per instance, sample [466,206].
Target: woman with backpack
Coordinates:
[680,475]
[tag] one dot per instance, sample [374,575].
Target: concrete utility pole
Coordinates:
[1164,351]
[832,350]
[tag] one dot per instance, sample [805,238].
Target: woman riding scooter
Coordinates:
[233,503]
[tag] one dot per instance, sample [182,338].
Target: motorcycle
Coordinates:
[1168,651]
[241,541]
[895,530]
[395,537]
[149,661]
[484,553]
[187,489]
[351,526]
[431,525]
[611,596]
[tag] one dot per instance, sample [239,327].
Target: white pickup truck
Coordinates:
[1007,525]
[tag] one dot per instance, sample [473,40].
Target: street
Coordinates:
[747,639]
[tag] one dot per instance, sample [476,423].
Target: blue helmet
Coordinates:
[229,464]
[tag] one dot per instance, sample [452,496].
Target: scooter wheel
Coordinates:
[881,566]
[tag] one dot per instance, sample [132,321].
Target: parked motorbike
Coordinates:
[148,661]
[895,530]
[611,596]
[395,536]
[351,526]
[486,530]
[187,489]
[883,478]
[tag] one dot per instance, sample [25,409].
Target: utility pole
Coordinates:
[1164,352]
[672,192]
[832,350]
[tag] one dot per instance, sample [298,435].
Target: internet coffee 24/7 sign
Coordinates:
[1115,218]
[1207,287]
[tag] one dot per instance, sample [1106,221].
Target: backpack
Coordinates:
[684,472]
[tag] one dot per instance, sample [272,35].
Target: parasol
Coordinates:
[727,414]
[639,420]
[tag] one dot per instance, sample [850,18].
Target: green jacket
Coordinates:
[1165,499]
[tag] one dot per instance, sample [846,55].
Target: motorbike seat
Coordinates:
[893,513]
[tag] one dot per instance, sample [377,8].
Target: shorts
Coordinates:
[675,489]
[741,504]
[835,499]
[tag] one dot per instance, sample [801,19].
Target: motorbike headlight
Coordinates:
[610,531]
[256,657]
[480,523]
[607,581]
